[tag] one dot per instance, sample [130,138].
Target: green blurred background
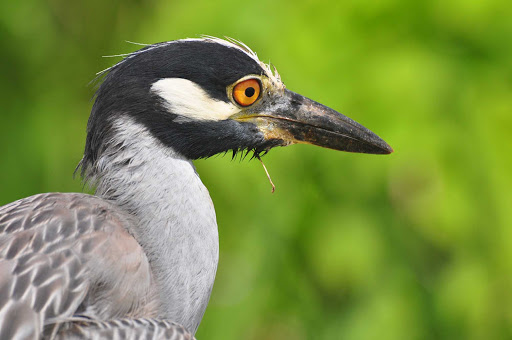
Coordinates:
[415,245]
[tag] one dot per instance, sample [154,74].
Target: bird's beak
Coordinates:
[293,118]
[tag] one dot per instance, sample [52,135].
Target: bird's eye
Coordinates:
[246,92]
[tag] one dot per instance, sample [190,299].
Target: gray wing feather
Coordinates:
[125,329]
[68,254]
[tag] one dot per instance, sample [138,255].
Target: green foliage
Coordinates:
[415,245]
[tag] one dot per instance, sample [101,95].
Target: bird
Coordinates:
[138,258]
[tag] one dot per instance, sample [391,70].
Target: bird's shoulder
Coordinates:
[60,211]
[69,254]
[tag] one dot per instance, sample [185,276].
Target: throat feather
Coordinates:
[176,220]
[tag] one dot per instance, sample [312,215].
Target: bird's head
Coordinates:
[204,96]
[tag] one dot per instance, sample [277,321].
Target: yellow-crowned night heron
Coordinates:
[139,258]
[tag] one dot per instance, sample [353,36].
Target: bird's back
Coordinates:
[67,260]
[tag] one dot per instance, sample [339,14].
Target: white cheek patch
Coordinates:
[186,98]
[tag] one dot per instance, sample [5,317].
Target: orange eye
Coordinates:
[246,92]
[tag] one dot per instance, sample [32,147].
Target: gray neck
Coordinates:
[177,225]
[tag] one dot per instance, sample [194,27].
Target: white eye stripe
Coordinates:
[186,98]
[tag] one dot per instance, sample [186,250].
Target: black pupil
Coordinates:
[250,91]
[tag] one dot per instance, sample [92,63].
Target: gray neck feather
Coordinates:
[177,225]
